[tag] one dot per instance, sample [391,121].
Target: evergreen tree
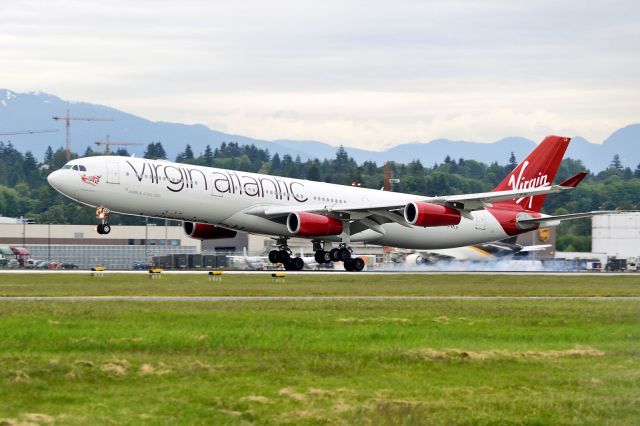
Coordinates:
[276,164]
[155,151]
[188,153]
[512,161]
[616,163]
[48,155]
[160,152]
[150,152]
[208,156]
[636,173]
[313,171]
[30,170]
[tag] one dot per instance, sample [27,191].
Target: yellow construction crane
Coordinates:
[107,144]
[67,118]
[27,132]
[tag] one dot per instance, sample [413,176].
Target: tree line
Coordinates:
[24,191]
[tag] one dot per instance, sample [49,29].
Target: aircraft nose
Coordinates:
[55,179]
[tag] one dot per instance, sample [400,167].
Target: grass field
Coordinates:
[320,362]
[313,284]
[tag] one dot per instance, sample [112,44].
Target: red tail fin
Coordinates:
[538,169]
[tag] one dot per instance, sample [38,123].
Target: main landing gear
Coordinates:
[283,255]
[102,213]
[340,254]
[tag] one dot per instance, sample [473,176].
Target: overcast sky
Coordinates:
[367,74]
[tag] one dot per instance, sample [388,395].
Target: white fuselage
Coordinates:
[226,198]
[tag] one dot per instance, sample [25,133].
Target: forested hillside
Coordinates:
[25,192]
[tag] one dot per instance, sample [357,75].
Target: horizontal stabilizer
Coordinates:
[572,182]
[545,219]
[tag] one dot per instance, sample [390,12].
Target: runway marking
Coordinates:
[299,298]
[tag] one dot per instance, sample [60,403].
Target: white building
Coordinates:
[616,234]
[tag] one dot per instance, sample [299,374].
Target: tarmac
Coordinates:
[327,272]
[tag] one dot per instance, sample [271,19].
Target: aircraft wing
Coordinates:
[551,220]
[475,201]
[466,202]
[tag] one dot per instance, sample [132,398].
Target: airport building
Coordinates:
[82,246]
[616,235]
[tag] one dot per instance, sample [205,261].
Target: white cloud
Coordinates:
[366,74]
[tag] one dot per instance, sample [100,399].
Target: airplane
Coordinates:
[215,203]
[249,262]
[482,252]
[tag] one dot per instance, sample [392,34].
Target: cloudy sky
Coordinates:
[360,73]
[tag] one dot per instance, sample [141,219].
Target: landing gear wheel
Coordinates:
[284,256]
[102,213]
[333,254]
[344,254]
[287,266]
[297,264]
[322,256]
[348,265]
[358,264]
[273,256]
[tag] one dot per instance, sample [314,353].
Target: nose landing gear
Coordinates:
[102,213]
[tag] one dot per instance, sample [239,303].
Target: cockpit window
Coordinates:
[82,168]
[75,167]
[66,166]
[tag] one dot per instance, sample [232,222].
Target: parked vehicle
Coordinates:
[141,265]
[65,265]
[43,264]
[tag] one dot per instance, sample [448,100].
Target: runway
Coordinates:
[325,272]
[306,298]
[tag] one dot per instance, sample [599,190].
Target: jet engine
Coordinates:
[205,231]
[427,214]
[313,225]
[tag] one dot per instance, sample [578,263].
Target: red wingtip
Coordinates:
[572,182]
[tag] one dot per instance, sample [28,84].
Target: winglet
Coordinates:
[572,182]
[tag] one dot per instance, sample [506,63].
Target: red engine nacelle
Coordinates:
[313,225]
[427,215]
[205,231]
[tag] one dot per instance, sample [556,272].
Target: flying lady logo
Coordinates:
[523,183]
[90,180]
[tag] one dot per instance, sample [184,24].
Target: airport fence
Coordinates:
[109,256]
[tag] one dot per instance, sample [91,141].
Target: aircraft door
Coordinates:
[113,172]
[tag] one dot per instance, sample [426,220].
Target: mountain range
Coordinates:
[33,110]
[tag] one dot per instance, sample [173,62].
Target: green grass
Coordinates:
[321,362]
[320,284]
